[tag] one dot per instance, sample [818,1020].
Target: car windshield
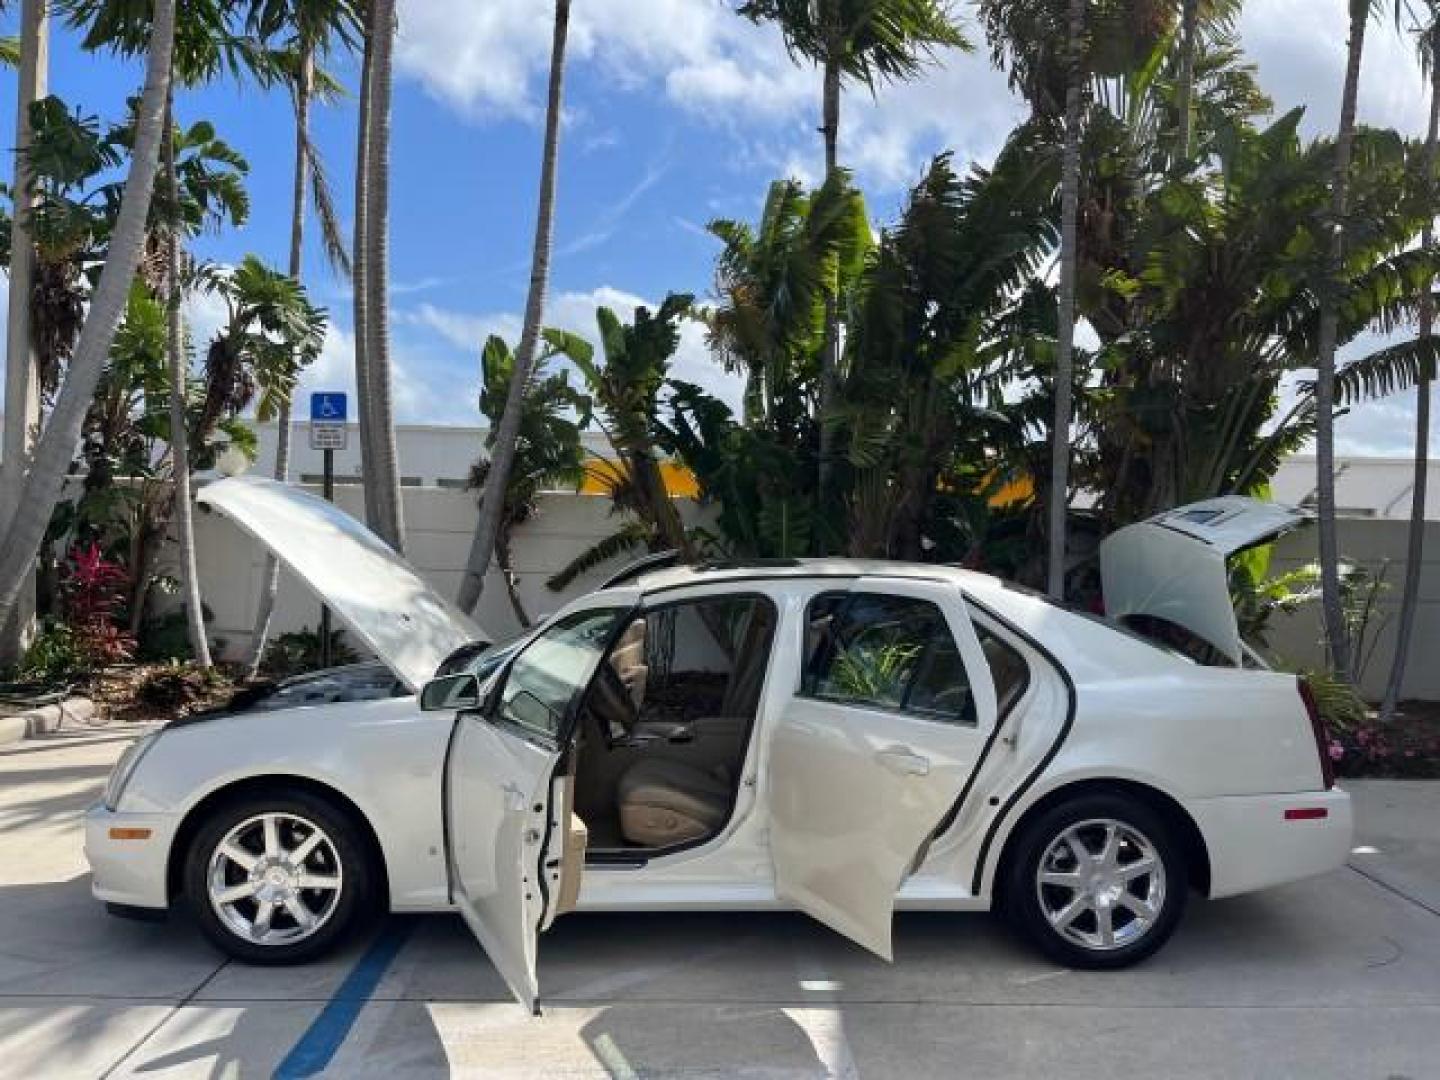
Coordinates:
[480,659]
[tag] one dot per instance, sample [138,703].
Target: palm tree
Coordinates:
[487,528]
[1195,15]
[26,527]
[548,452]
[1064,354]
[1189,32]
[1046,52]
[311,28]
[1332,603]
[205,47]
[625,387]
[179,387]
[22,395]
[1423,18]
[771,284]
[859,42]
[381,467]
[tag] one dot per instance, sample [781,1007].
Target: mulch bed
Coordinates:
[1406,748]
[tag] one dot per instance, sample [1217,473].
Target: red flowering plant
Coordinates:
[93,591]
[1407,747]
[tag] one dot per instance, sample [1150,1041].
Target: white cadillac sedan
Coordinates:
[843,738]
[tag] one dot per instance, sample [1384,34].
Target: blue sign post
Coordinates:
[328,433]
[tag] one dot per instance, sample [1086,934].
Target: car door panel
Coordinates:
[508,827]
[497,820]
[856,791]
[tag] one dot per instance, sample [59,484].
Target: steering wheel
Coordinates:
[613,705]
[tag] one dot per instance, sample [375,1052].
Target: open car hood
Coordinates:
[1174,566]
[370,588]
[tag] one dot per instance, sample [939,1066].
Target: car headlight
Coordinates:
[125,769]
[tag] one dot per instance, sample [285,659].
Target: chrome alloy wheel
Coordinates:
[1101,884]
[275,879]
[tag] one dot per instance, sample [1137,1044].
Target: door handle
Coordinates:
[903,760]
[515,799]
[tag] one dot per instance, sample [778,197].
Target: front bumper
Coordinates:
[1253,845]
[128,872]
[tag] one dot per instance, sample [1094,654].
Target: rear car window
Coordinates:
[1007,668]
[888,652]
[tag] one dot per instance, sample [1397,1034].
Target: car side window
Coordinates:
[1008,669]
[889,652]
[553,669]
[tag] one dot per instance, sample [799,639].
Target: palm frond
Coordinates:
[627,538]
[332,233]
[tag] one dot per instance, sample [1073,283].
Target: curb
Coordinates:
[46,719]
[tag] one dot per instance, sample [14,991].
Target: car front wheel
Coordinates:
[277,879]
[1097,882]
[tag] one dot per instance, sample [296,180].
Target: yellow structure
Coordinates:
[680,483]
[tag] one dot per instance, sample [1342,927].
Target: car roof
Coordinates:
[674,577]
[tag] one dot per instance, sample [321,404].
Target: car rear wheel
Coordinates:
[277,879]
[1097,882]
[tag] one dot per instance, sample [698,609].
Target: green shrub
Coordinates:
[299,651]
[165,638]
[55,656]
[176,687]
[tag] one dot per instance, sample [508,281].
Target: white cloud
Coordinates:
[489,60]
[1299,48]
[573,311]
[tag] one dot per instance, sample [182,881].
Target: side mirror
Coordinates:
[450,693]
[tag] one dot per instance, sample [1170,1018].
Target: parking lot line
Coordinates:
[327,1034]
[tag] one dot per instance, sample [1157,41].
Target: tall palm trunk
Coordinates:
[45,480]
[22,382]
[184,516]
[502,456]
[830,346]
[382,471]
[359,279]
[270,582]
[1415,548]
[1189,35]
[1064,355]
[1337,636]
[507,570]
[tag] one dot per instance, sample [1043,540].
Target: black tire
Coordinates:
[347,846]
[1025,900]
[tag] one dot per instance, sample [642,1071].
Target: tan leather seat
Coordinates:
[664,802]
[627,658]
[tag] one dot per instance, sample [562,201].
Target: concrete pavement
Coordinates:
[1338,977]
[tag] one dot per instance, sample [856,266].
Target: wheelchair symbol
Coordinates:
[327,408]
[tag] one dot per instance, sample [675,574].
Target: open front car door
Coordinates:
[866,760]
[509,843]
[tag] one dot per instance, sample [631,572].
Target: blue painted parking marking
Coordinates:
[323,1039]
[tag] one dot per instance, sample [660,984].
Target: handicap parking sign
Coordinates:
[327,407]
[327,421]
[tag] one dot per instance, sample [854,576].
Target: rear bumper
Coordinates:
[128,873]
[1253,845]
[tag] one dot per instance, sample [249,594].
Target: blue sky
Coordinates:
[676,112]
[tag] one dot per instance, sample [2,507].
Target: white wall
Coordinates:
[440,522]
[439,525]
[1376,544]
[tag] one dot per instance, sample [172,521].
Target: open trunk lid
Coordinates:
[1175,565]
[370,588]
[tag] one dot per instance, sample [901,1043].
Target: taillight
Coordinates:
[1317,725]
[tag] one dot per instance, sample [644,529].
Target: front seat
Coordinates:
[627,660]
[665,802]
